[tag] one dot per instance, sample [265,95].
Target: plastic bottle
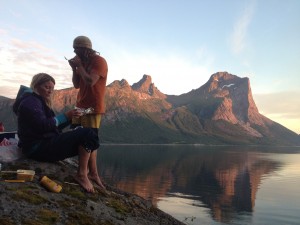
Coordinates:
[50,184]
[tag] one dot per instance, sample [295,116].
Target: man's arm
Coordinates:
[75,79]
[74,62]
[80,73]
[90,79]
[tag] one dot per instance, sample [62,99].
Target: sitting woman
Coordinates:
[40,135]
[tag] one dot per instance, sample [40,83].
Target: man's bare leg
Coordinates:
[82,173]
[93,170]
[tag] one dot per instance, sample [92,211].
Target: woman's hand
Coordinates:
[72,113]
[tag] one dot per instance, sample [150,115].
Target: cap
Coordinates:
[82,41]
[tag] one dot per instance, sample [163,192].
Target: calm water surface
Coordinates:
[210,185]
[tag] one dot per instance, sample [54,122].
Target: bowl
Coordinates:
[26,175]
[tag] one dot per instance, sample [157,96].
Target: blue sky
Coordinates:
[179,43]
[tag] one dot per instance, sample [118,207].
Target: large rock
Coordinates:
[31,203]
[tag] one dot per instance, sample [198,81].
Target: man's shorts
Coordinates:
[88,120]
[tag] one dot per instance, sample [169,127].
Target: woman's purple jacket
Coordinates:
[36,121]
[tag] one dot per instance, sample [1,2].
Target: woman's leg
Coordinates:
[82,173]
[93,170]
[65,145]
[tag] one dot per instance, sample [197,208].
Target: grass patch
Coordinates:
[77,218]
[44,216]
[119,206]
[47,217]
[5,220]
[28,196]
[67,203]
[27,221]
[74,191]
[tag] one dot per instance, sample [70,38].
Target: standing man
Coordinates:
[89,75]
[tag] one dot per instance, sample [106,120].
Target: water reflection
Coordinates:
[223,179]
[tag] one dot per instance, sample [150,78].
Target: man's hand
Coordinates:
[75,62]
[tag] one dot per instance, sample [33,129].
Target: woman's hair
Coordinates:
[40,79]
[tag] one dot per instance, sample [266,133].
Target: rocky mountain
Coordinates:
[222,111]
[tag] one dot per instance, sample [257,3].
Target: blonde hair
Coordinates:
[40,79]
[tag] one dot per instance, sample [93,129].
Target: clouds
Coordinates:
[3,32]
[20,60]
[238,39]
[285,104]
[172,73]
[282,107]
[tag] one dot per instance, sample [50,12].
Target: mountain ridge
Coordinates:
[222,111]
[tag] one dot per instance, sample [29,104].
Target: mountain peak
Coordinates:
[222,76]
[238,103]
[119,84]
[146,86]
[222,80]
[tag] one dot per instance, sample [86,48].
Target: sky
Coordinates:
[179,43]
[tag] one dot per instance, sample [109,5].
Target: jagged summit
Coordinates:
[230,95]
[222,76]
[144,85]
[119,84]
[237,104]
[222,81]
[144,88]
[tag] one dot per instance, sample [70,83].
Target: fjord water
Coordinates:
[210,184]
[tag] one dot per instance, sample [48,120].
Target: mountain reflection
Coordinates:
[223,179]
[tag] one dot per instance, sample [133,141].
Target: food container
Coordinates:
[26,175]
[83,111]
[50,184]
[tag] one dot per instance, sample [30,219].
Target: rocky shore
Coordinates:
[29,203]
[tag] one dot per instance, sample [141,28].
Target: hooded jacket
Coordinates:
[36,121]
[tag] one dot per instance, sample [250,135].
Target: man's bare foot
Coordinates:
[85,183]
[97,180]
